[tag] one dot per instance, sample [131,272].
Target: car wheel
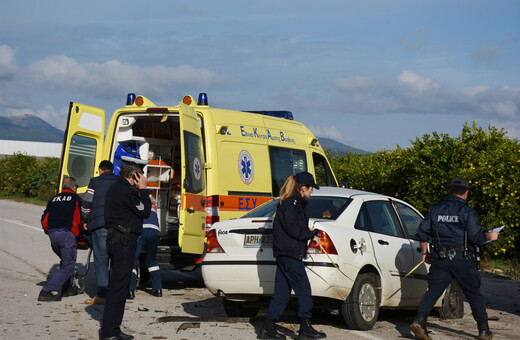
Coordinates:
[361,308]
[453,302]
[240,308]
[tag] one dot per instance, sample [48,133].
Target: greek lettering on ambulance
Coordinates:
[247,201]
[447,219]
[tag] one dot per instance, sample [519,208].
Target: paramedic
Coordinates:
[93,211]
[126,205]
[61,220]
[291,233]
[447,226]
[149,240]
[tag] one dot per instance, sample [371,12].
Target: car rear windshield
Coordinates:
[322,207]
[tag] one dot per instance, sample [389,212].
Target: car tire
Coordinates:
[453,302]
[240,309]
[361,308]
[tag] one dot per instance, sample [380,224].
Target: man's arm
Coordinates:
[86,203]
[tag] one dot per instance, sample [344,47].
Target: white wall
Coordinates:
[38,149]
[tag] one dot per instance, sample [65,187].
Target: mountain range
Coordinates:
[27,127]
[32,128]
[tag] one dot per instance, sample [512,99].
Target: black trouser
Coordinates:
[122,255]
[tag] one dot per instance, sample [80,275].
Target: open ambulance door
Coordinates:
[82,144]
[192,221]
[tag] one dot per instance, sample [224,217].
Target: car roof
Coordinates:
[344,192]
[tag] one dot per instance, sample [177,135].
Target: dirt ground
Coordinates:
[186,310]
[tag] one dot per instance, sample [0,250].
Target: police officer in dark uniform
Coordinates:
[126,205]
[290,236]
[454,230]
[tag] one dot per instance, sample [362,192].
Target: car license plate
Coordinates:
[258,240]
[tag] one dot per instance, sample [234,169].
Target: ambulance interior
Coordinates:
[158,142]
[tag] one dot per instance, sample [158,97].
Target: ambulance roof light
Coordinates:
[279,114]
[203,99]
[130,98]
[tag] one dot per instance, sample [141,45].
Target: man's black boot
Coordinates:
[307,332]
[418,327]
[484,333]
[269,332]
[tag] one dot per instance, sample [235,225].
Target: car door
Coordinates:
[192,222]
[82,147]
[410,220]
[392,251]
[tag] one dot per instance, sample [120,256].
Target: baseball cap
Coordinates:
[460,182]
[306,178]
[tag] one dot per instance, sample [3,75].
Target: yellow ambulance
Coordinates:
[203,164]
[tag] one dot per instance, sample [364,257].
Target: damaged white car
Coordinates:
[364,262]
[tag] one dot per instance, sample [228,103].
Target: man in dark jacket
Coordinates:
[93,210]
[126,205]
[61,220]
[454,230]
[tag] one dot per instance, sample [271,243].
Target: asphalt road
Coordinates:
[186,310]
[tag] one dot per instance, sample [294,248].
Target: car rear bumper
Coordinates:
[254,277]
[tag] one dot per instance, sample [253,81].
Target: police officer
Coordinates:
[93,210]
[454,230]
[291,233]
[126,205]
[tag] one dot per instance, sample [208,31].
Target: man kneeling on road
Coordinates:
[61,220]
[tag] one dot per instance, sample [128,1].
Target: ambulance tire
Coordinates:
[240,309]
[453,302]
[361,308]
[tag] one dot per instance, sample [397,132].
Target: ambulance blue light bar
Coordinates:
[279,114]
[130,99]
[203,99]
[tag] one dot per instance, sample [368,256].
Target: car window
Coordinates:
[382,218]
[410,218]
[322,207]
[362,220]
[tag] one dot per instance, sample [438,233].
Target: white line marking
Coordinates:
[8,220]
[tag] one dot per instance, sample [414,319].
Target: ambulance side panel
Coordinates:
[82,144]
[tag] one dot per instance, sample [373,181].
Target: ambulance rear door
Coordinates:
[192,220]
[82,147]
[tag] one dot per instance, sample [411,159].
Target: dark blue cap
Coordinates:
[306,178]
[460,182]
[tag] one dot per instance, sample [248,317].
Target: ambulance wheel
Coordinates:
[453,302]
[240,309]
[361,308]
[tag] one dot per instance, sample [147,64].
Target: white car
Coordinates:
[370,251]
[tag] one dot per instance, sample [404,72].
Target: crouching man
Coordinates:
[61,220]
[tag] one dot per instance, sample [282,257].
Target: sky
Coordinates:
[371,74]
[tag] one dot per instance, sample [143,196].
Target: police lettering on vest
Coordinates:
[448,219]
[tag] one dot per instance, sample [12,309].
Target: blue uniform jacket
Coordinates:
[291,228]
[126,206]
[445,223]
[93,204]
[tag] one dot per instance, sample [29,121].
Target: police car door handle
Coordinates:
[383,242]
[191,211]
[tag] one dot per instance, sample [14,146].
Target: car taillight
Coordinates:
[212,210]
[212,245]
[326,243]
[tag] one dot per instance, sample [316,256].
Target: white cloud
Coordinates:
[331,132]
[7,62]
[413,93]
[114,78]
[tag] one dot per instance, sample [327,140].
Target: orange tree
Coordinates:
[422,173]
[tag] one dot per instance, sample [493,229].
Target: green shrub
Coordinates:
[421,175]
